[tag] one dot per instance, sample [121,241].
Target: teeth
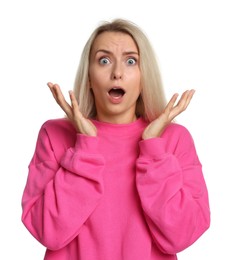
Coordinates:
[120,89]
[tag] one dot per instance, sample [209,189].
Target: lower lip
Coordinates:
[115,100]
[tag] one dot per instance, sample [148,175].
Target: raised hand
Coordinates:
[82,124]
[156,127]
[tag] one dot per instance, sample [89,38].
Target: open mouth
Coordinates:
[116,92]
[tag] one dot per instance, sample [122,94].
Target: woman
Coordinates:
[116,179]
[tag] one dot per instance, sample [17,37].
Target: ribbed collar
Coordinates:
[120,129]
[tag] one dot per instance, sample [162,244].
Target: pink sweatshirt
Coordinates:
[114,196]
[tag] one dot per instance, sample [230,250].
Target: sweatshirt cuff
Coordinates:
[153,148]
[86,143]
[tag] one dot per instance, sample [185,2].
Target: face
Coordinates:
[114,77]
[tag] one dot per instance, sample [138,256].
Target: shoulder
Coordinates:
[58,125]
[176,135]
[60,133]
[176,130]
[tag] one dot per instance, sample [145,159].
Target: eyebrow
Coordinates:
[124,53]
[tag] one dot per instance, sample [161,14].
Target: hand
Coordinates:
[156,127]
[82,125]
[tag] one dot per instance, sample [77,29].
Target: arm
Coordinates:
[172,190]
[60,195]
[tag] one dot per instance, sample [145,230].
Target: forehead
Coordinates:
[113,40]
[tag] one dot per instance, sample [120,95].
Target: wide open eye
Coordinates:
[131,61]
[104,61]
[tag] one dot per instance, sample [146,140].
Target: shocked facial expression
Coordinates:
[114,77]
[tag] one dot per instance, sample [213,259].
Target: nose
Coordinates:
[117,71]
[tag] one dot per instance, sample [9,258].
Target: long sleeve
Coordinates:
[60,195]
[172,189]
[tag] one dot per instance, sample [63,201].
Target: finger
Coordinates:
[58,96]
[50,85]
[74,104]
[172,102]
[185,99]
[182,104]
[190,96]
[55,89]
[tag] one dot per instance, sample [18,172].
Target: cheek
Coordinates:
[96,78]
[136,76]
[92,75]
[136,82]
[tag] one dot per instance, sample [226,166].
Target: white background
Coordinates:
[42,40]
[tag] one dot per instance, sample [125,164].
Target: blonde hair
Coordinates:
[151,101]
